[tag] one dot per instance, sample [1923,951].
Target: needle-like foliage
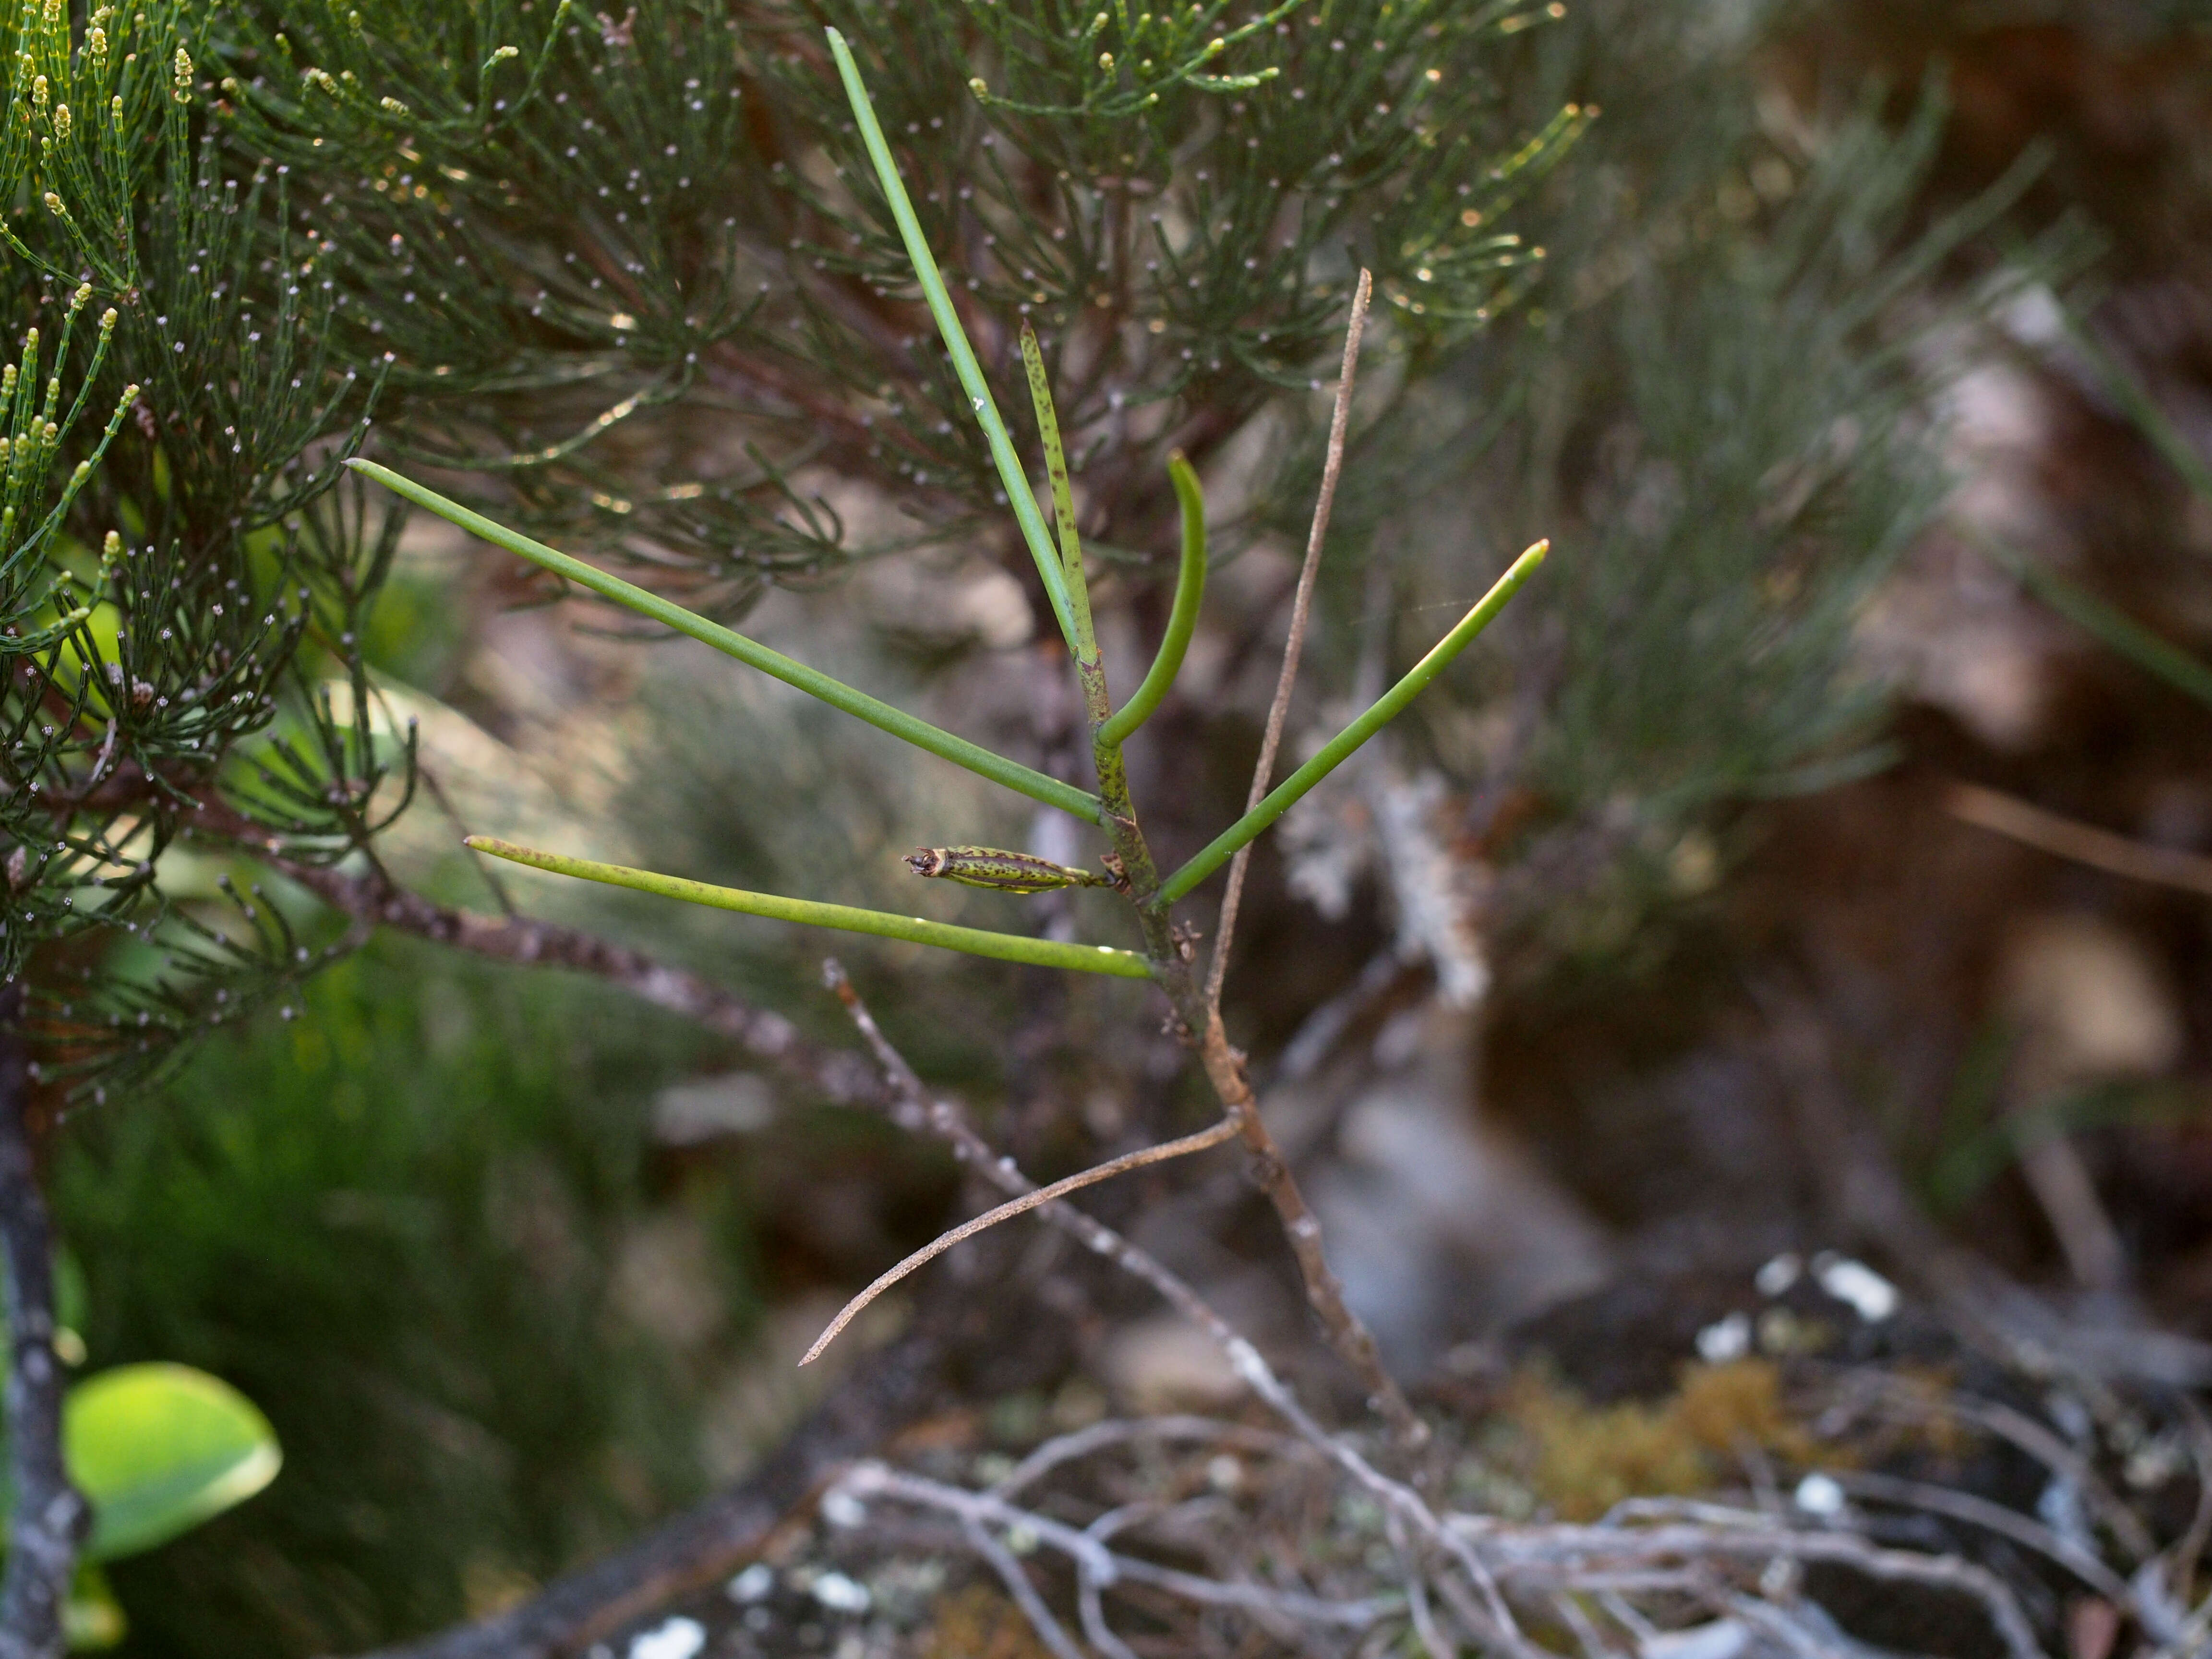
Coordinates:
[638,274]
[182,586]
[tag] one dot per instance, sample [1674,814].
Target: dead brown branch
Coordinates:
[1271,1173]
[944,1241]
[373,898]
[1224,930]
[2082,843]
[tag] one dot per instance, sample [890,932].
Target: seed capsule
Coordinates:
[1001,872]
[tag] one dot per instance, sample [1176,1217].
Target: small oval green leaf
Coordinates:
[158,1448]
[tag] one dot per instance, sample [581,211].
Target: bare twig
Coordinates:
[1018,1585]
[2083,843]
[1550,1559]
[372,897]
[2038,1443]
[1579,1625]
[51,1516]
[1107,1566]
[2182,1559]
[1224,1130]
[1200,1010]
[1271,1172]
[1789,1632]
[913,1108]
[1224,929]
[1116,1431]
[1414,1582]
[1090,1607]
[1995,1517]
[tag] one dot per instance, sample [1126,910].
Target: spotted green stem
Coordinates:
[1085,640]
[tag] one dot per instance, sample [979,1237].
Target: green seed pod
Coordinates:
[1001,872]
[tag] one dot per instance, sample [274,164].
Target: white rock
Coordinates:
[1819,1495]
[753,1584]
[1870,1296]
[1725,1340]
[679,1638]
[1725,1638]
[840,1594]
[1780,1274]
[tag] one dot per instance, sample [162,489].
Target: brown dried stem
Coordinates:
[1224,1130]
[1301,610]
[1271,1173]
[2083,843]
[1200,1008]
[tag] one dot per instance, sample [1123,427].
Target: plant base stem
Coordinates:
[1354,1342]
[51,1517]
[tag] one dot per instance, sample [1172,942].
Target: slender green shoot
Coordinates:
[1063,496]
[1339,748]
[920,733]
[975,941]
[2117,631]
[1010,476]
[1183,620]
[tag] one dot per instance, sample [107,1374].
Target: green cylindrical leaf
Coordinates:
[1340,748]
[918,930]
[1013,774]
[1010,476]
[1183,621]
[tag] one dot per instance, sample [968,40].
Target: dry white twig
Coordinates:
[1543,1559]
[1119,1431]
[877,1481]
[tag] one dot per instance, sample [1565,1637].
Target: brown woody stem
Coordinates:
[1170,956]
[372,898]
[1012,1208]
